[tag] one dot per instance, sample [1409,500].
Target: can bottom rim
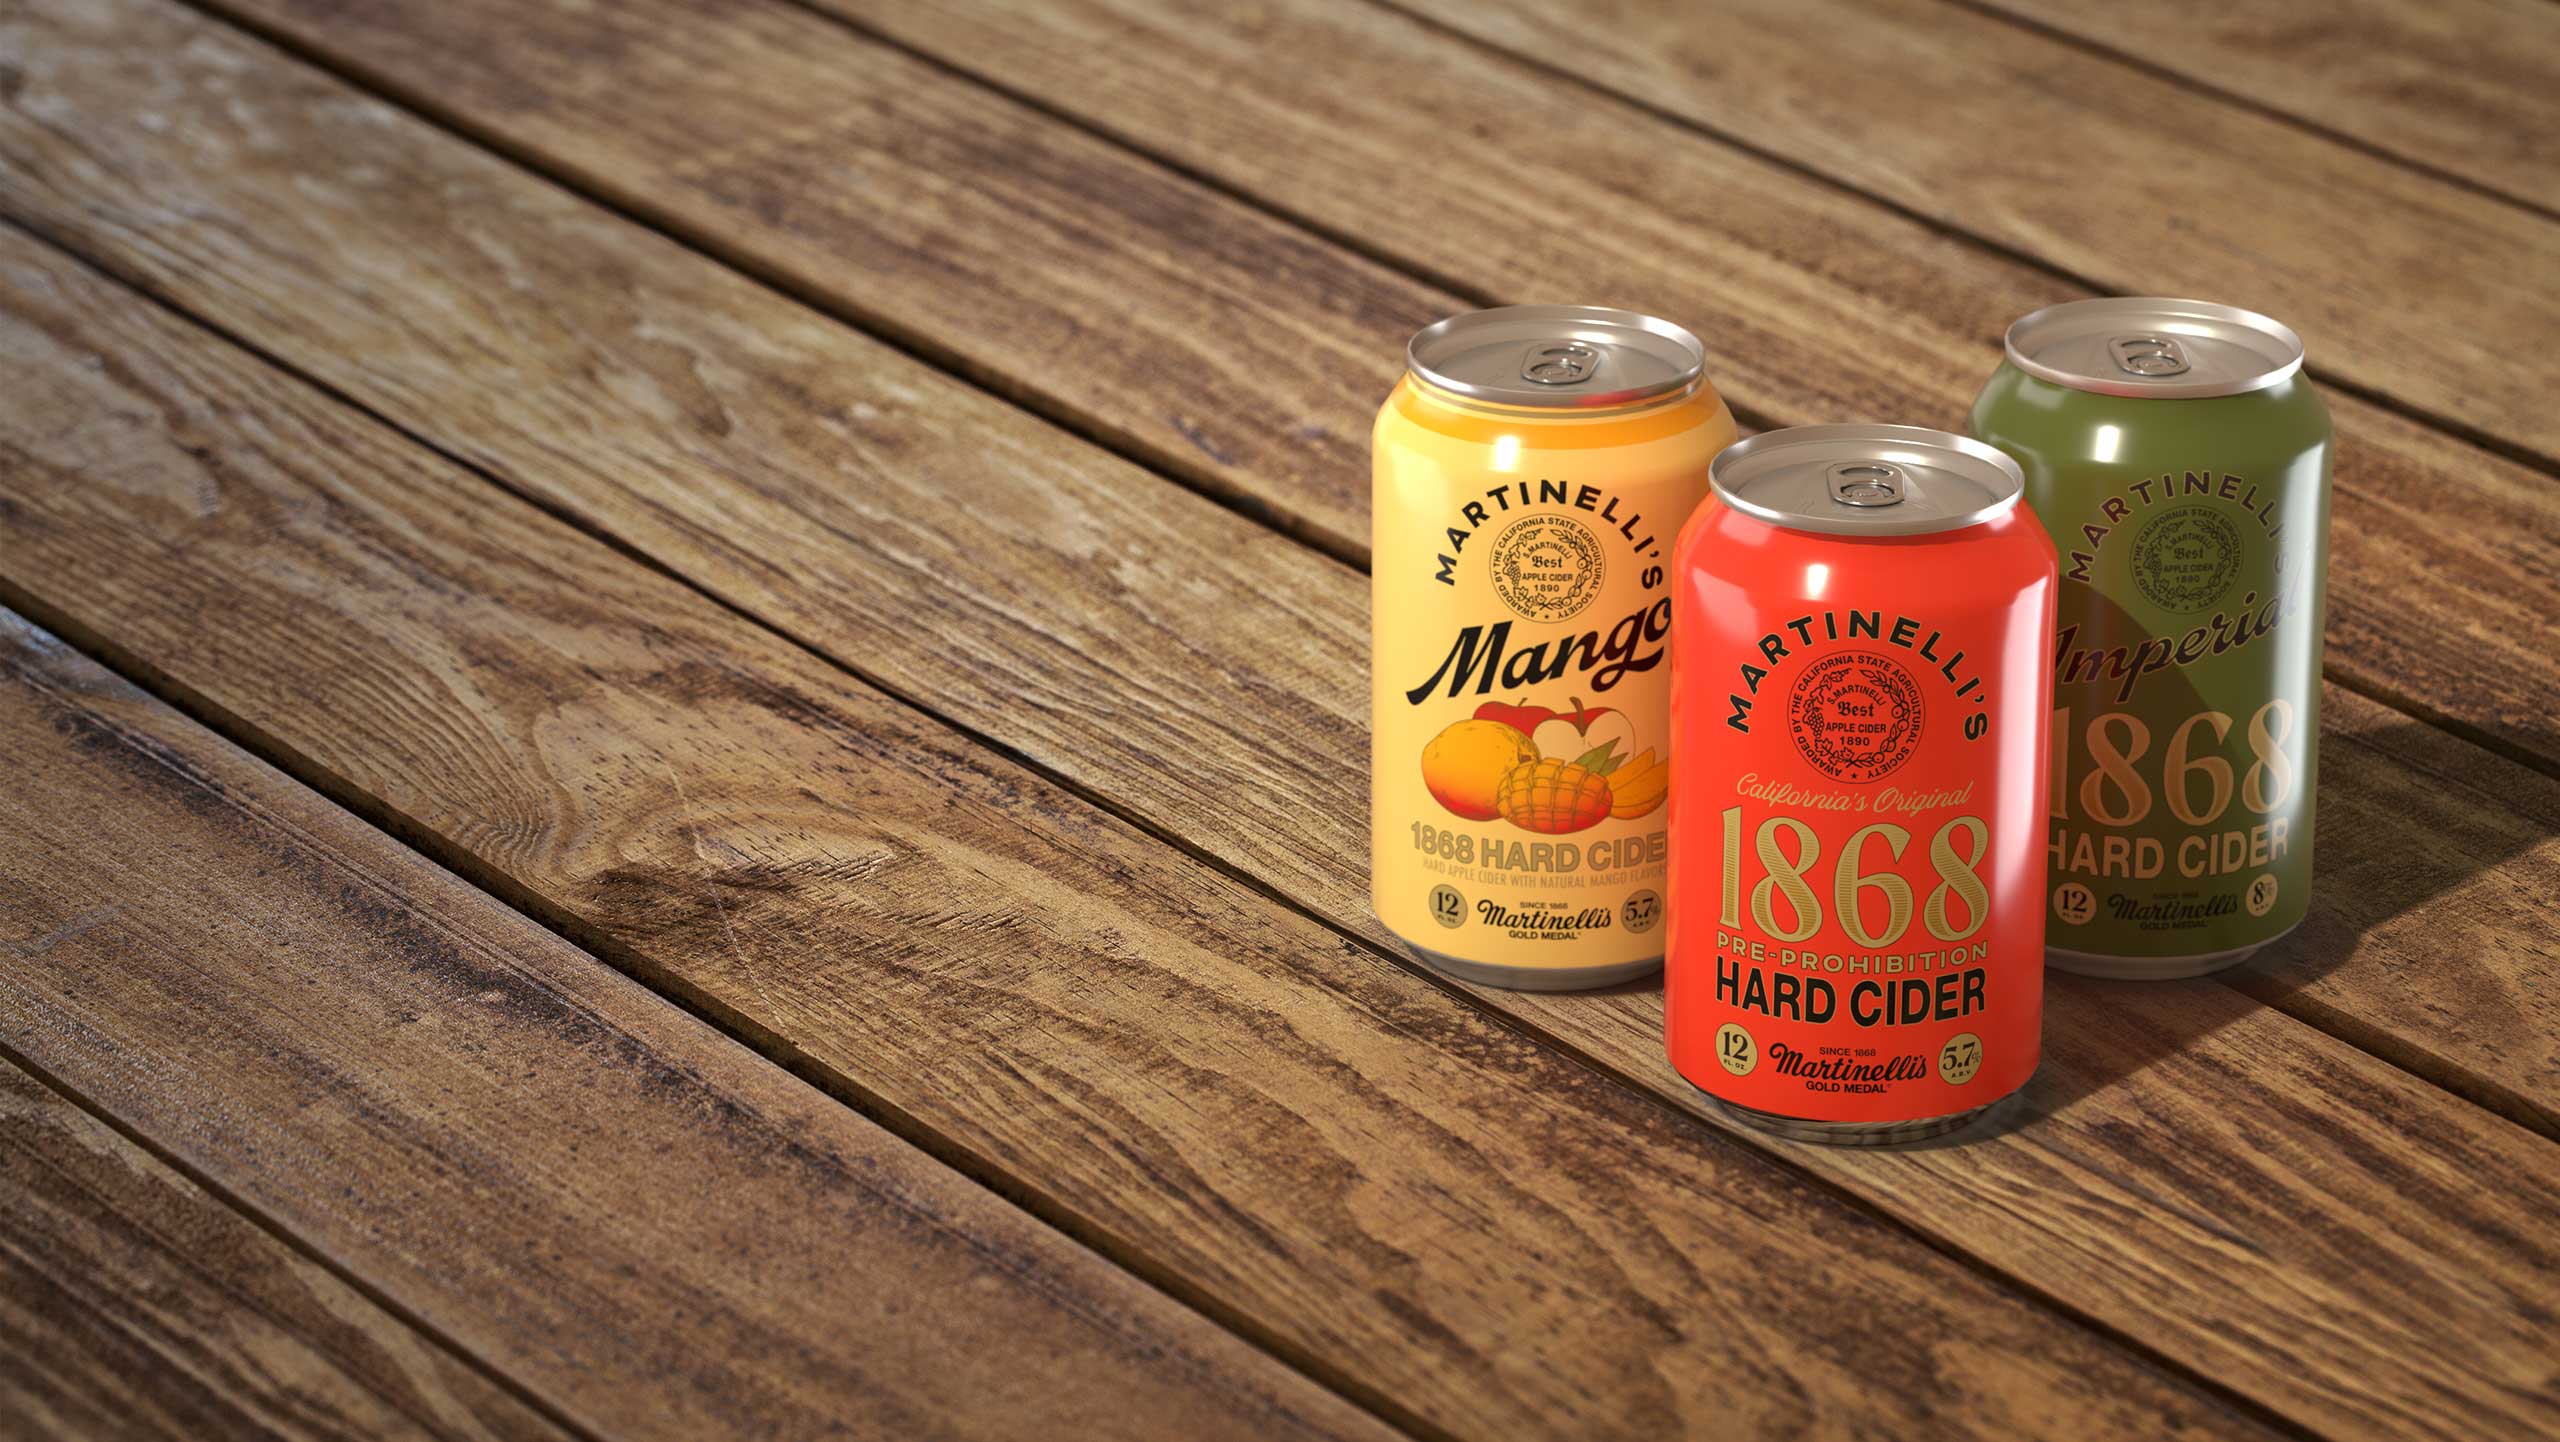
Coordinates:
[1852,1134]
[2157,968]
[1534,978]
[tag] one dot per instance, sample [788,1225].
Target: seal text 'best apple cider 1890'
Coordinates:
[1530,472]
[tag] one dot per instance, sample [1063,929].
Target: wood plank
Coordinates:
[1463,1226]
[1815,305]
[653,1230]
[1108,627]
[135,1305]
[2127,180]
[2469,87]
[2026,1215]
[983,236]
[2210,1153]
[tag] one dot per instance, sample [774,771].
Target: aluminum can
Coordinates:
[1531,469]
[1857,844]
[2181,461]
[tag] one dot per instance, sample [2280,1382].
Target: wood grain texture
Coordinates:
[1461,1224]
[2281,1212]
[937,540]
[1195,669]
[134,1305]
[2259,1279]
[2469,87]
[2134,183]
[1815,305]
[975,231]
[647,1226]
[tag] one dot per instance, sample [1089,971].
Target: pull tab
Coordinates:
[1565,363]
[1866,483]
[2149,355]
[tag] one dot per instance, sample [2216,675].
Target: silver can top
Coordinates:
[2154,348]
[1557,357]
[1866,480]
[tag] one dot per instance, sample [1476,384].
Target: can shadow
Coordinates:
[2409,816]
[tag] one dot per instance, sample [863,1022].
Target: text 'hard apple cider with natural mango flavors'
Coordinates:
[1531,471]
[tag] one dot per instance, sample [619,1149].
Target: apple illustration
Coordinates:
[1520,716]
[1599,737]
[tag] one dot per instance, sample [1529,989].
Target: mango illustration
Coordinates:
[1639,786]
[1553,796]
[1464,765]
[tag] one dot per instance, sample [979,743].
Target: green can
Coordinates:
[2180,460]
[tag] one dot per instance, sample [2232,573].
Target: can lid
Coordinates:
[1866,480]
[2155,348]
[1557,357]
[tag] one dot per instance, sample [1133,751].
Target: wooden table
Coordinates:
[684,707]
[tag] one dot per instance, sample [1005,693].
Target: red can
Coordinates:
[1859,686]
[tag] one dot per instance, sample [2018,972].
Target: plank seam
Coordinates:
[1989,10]
[183,773]
[2515,451]
[256,1217]
[848,1090]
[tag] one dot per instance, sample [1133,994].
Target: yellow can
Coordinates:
[1531,472]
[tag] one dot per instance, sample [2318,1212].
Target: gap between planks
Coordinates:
[2320,130]
[257,1218]
[2516,451]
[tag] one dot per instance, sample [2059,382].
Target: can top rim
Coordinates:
[1557,357]
[1867,480]
[2154,347]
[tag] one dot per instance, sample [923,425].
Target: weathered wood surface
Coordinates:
[651,1229]
[2217,1183]
[134,1305]
[1196,670]
[1457,1223]
[2047,1235]
[2468,87]
[2285,1214]
[1149,312]
[1816,305]
[2127,180]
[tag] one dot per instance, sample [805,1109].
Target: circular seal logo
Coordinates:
[2185,558]
[1855,715]
[1547,568]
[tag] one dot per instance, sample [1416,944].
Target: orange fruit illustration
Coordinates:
[1464,765]
[1553,796]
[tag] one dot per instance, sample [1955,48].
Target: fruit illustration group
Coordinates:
[1553,796]
[1544,770]
[1464,766]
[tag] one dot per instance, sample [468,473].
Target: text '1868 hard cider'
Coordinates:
[2181,461]
[1859,702]
[1531,470]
